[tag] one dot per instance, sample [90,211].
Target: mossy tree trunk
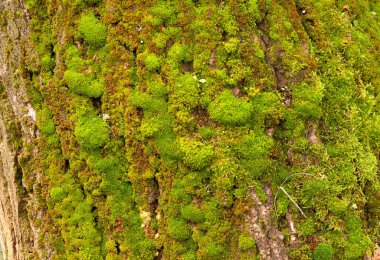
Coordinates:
[241,129]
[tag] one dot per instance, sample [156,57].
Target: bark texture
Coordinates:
[239,129]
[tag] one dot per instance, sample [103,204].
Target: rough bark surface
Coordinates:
[140,130]
[17,132]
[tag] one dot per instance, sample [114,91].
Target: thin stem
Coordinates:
[287,194]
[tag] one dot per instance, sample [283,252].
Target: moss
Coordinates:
[162,14]
[185,92]
[212,250]
[323,252]
[358,242]
[308,228]
[75,64]
[146,101]
[178,229]
[207,132]
[79,84]
[160,40]
[152,62]
[193,214]
[45,122]
[93,1]
[232,45]
[92,132]
[268,109]
[196,154]
[92,30]
[246,243]
[296,68]
[47,63]
[57,194]
[229,110]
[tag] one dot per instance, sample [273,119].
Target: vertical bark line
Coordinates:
[9,200]
[17,125]
[268,238]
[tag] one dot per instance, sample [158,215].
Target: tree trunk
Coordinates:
[241,129]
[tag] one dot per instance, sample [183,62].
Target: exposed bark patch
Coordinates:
[268,238]
[292,230]
[311,134]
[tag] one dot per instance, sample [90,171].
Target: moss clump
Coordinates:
[94,33]
[75,64]
[212,251]
[178,229]
[246,243]
[57,194]
[196,154]
[162,14]
[207,132]
[45,122]
[185,92]
[268,108]
[323,252]
[79,84]
[92,132]
[152,62]
[229,110]
[193,214]
[47,63]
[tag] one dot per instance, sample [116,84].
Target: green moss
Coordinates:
[206,132]
[268,108]
[178,229]
[45,122]
[196,154]
[232,45]
[79,84]
[254,146]
[246,243]
[323,252]
[47,63]
[72,51]
[162,14]
[212,250]
[146,101]
[93,1]
[229,110]
[308,227]
[337,206]
[160,40]
[152,62]
[75,64]
[202,166]
[358,242]
[193,214]
[92,132]
[92,30]
[185,92]
[57,194]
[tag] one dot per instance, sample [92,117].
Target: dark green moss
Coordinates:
[193,214]
[178,229]
[323,252]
